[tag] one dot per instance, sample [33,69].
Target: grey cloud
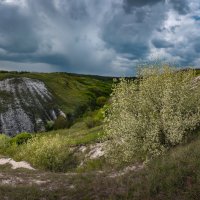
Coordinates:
[127,34]
[160,43]
[130,4]
[139,3]
[197,47]
[181,6]
[55,59]
[23,36]
[16,30]
[187,51]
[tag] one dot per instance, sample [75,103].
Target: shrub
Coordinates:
[4,142]
[148,116]
[48,152]
[7,146]
[101,101]
[60,123]
[21,138]
[100,114]
[92,122]
[49,126]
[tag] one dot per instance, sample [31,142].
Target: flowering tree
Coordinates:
[148,116]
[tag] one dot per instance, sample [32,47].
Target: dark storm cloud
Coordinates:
[55,59]
[197,46]
[196,17]
[16,32]
[130,33]
[141,2]
[99,37]
[130,4]
[181,6]
[29,37]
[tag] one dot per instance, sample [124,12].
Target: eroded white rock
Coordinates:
[14,164]
[24,106]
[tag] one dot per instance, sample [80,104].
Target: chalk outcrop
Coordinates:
[25,106]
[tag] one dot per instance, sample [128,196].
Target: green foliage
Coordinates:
[53,150]
[149,116]
[4,142]
[7,146]
[96,117]
[100,114]
[101,101]
[92,122]
[60,123]
[92,165]
[49,126]
[50,153]
[21,138]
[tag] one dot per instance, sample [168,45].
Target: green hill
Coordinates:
[36,98]
[74,93]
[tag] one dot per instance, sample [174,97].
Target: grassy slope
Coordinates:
[174,176]
[74,138]
[73,93]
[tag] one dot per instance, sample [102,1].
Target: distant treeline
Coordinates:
[14,72]
[71,74]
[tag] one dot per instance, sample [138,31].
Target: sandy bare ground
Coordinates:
[14,164]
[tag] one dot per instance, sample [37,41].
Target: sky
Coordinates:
[104,37]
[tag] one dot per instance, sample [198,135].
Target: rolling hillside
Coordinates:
[30,100]
[79,153]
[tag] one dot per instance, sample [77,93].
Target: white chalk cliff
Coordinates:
[25,106]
